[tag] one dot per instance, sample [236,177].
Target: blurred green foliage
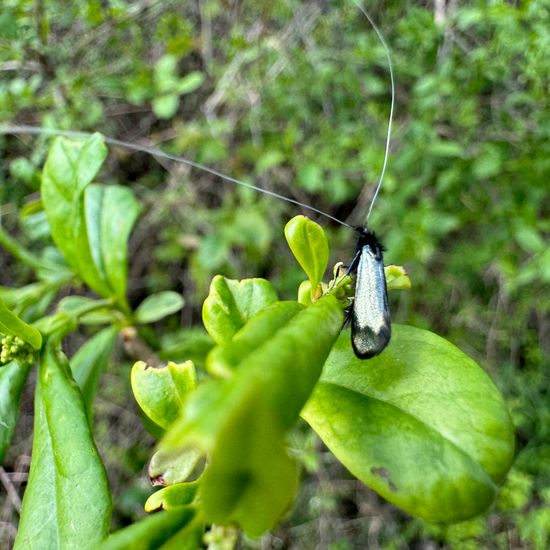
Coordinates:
[294,96]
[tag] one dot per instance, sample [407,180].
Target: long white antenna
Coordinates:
[38,130]
[388,136]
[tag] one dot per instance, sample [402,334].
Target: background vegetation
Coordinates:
[294,96]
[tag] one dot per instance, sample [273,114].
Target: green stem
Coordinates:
[19,251]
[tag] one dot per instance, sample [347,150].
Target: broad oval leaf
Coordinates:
[69,169]
[309,244]
[230,304]
[157,306]
[161,391]
[422,424]
[67,503]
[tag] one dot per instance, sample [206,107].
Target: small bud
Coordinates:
[14,348]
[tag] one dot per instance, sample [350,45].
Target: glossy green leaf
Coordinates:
[283,366]
[421,424]
[111,211]
[309,244]
[251,479]
[161,391]
[230,304]
[223,359]
[12,325]
[90,361]
[152,532]
[157,306]
[67,503]
[242,420]
[12,383]
[69,169]
[176,495]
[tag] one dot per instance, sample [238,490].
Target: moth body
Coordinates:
[370,318]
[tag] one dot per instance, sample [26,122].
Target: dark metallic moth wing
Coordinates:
[370,320]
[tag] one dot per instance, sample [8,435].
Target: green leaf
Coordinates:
[24,295]
[421,424]
[11,325]
[488,161]
[396,278]
[190,82]
[67,502]
[187,343]
[111,211]
[309,244]
[12,383]
[158,305]
[69,168]
[165,73]
[171,497]
[304,293]
[73,310]
[88,310]
[225,358]
[188,538]
[89,362]
[161,391]
[251,479]
[166,106]
[168,467]
[310,177]
[241,421]
[230,304]
[152,532]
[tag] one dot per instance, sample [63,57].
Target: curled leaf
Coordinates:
[161,391]
[230,304]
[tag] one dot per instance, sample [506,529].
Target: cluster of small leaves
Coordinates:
[266,365]
[14,348]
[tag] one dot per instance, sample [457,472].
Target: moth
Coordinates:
[370,314]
